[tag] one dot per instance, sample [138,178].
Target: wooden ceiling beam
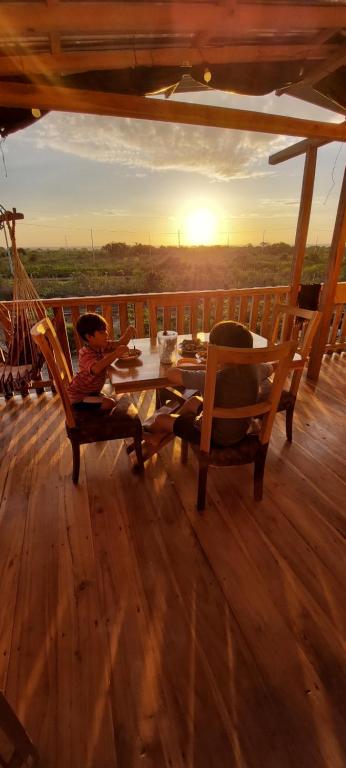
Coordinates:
[23,18]
[300,148]
[69,62]
[111,104]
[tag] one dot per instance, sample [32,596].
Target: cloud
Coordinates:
[218,154]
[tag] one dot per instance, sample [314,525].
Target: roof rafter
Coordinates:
[69,61]
[99,103]
[300,148]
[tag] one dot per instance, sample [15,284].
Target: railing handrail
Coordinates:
[117,298]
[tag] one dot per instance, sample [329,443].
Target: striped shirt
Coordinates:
[85,382]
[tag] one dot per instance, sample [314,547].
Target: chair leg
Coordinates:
[289,421]
[202,486]
[76,461]
[184,451]
[138,448]
[260,461]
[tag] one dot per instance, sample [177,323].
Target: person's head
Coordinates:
[228,333]
[92,328]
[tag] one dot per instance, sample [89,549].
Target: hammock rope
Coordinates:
[23,361]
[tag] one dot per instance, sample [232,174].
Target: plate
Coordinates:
[131,358]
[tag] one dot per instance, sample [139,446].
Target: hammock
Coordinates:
[22,361]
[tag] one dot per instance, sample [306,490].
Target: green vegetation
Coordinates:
[121,268]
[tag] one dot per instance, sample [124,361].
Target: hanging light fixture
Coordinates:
[207,75]
[36,112]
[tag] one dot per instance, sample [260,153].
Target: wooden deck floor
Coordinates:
[134,632]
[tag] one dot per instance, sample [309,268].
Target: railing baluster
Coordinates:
[206,315]
[180,318]
[243,309]
[139,315]
[266,315]
[123,316]
[107,314]
[231,308]
[254,313]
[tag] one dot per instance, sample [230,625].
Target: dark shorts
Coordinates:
[86,406]
[188,428]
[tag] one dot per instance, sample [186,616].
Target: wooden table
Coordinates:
[148,373]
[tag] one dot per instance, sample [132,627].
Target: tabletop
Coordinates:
[146,371]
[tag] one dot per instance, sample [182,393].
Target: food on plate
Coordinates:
[191,348]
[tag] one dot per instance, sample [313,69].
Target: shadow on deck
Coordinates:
[134,632]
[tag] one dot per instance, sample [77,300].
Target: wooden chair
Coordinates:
[300,325]
[16,748]
[253,447]
[86,426]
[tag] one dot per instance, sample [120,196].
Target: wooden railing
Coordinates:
[337,333]
[186,312]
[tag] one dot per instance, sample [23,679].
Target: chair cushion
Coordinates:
[243,452]
[94,426]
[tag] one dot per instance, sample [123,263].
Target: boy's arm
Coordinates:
[129,334]
[107,359]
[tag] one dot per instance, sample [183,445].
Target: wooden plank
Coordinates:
[338,312]
[328,292]
[166,318]
[206,315]
[97,103]
[194,316]
[231,308]
[160,569]
[219,310]
[58,634]
[254,313]
[71,62]
[265,322]
[75,315]
[139,315]
[108,316]
[123,17]
[123,319]
[180,318]
[303,222]
[294,150]
[243,309]
[290,666]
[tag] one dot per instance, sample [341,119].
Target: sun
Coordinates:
[200,227]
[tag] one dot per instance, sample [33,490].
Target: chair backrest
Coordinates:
[45,336]
[281,355]
[295,323]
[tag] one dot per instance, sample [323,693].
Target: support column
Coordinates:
[303,222]
[329,288]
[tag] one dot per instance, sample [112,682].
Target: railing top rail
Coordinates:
[181,296]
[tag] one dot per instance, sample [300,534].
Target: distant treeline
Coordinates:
[121,268]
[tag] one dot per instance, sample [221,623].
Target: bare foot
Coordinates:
[154,438]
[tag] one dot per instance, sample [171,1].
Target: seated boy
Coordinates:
[236,385]
[94,359]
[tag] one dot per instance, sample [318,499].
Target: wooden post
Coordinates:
[329,288]
[303,222]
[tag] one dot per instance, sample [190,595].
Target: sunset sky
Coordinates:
[78,178]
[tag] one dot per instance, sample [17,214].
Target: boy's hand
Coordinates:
[122,351]
[129,334]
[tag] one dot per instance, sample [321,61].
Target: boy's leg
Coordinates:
[163,423]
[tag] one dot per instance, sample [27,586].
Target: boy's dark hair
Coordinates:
[230,334]
[88,323]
